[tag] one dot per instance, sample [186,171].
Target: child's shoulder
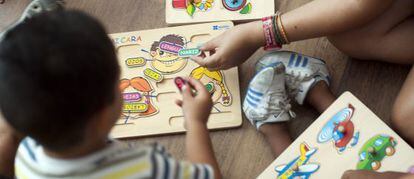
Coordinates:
[127,151]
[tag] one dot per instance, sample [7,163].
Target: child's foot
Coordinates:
[266,100]
[302,72]
[37,7]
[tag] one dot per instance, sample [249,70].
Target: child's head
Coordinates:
[58,77]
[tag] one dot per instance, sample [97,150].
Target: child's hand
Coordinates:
[196,108]
[233,47]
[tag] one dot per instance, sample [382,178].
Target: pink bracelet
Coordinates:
[269,34]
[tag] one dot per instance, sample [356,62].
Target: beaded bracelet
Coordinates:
[279,39]
[281,29]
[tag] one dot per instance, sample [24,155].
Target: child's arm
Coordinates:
[9,142]
[196,109]
[315,19]
[365,174]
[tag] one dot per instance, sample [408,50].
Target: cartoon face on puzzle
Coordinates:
[164,53]
[340,130]
[137,96]
[214,83]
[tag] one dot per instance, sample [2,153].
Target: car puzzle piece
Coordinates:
[374,151]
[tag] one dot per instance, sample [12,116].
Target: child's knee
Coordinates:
[351,46]
[400,115]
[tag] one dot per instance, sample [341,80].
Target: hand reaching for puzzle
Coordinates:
[196,108]
[233,47]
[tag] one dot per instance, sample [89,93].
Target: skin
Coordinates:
[356,174]
[364,29]
[277,134]
[196,111]
[9,142]
[217,89]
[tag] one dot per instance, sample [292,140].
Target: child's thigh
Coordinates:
[389,37]
[402,117]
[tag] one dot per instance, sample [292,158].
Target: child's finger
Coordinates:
[210,45]
[198,86]
[179,102]
[212,61]
[199,60]
[186,92]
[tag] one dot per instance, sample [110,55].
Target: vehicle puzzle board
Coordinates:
[196,11]
[150,60]
[346,136]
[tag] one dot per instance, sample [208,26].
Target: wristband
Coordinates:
[269,33]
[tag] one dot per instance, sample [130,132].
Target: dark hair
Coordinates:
[57,70]
[175,39]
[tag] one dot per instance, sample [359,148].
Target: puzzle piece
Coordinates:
[340,129]
[215,83]
[374,150]
[300,166]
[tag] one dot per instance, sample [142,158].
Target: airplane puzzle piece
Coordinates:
[374,151]
[340,129]
[299,167]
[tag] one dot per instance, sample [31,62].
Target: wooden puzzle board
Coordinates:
[145,56]
[331,163]
[217,12]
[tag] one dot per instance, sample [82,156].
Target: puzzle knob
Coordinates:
[371,150]
[295,168]
[180,4]
[341,129]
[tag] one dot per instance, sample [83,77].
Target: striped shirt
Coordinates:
[117,160]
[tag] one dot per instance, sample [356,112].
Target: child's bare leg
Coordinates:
[320,96]
[389,37]
[402,116]
[277,135]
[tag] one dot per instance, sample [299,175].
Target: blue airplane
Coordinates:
[299,167]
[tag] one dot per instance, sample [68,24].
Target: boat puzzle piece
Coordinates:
[374,151]
[299,167]
[340,129]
